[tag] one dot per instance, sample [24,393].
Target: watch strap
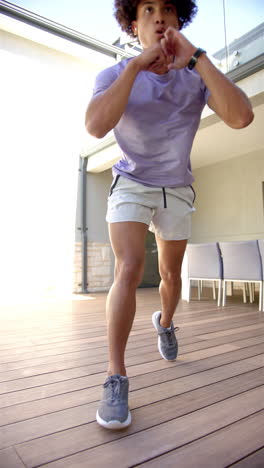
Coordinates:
[195,57]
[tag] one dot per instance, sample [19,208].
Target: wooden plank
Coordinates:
[139,396]
[212,319]
[78,383]
[149,331]
[232,324]
[45,350]
[73,440]
[21,420]
[133,346]
[255,460]
[10,459]
[81,333]
[231,331]
[48,350]
[166,436]
[219,449]
[242,342]
[101,366]
[19,354]
[53,358]
[212,357]
[102,356]
[70,363]
[175,387]
[58,328]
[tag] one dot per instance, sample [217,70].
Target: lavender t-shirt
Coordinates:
[155,133]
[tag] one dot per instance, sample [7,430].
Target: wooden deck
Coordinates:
[203,411]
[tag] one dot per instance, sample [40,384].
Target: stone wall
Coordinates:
[99,267]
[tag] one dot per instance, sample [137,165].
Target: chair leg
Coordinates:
[261,302]
[219,293]
[244,293]
[224,293]
[214,295]
[250,287]
[199,290]
[189,290]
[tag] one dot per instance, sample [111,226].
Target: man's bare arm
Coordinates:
[104,111]
[226,99]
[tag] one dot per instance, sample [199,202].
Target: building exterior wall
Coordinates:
[46,93]
[229,206]
[99,266]
[229,203]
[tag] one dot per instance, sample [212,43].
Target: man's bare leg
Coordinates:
[128,243]
[170,261]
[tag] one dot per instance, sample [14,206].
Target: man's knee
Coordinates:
[170,276]
[130,271]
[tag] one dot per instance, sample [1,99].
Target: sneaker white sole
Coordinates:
[114,424]
[159,347]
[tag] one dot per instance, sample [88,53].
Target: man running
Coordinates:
[154,103]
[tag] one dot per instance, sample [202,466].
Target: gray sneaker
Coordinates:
[167,342]
[113,411]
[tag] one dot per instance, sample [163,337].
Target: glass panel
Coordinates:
[92,18]
[244,30]
[232,31]
[207,29]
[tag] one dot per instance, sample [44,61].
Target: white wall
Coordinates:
[98,186]
[44,94]
[229,203]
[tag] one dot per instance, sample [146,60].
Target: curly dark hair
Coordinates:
[125,12]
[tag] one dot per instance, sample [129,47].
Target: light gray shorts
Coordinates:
[167,211]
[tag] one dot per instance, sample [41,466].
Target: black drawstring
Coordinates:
[113,185]
[194,194]
[164,197]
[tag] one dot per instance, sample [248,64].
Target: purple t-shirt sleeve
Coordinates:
[104,80]
[203,88]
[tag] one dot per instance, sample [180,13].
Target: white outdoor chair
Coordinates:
[204,263]
[242,263]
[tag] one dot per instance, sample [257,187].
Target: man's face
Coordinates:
[153,18]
